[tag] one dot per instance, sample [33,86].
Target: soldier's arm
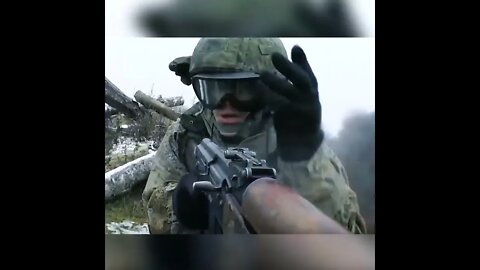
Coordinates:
[324,182]
[164,176]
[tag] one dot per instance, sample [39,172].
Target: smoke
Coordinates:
[355,146]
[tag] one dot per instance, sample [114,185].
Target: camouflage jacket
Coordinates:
[322,180]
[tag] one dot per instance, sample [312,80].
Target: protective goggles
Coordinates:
[242,93]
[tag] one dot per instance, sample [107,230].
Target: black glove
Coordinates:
[181,67]
[190,208]
[297,110]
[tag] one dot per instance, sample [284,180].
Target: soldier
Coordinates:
[250,95]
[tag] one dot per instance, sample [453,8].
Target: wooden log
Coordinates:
[122,179]
[156,105]
[121,102]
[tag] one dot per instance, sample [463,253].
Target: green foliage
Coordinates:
[127,207]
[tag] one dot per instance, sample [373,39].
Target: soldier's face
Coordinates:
[226,114]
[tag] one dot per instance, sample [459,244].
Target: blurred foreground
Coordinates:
[241,252]
[186,18]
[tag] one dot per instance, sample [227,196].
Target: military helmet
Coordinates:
[234,58]
[229,68]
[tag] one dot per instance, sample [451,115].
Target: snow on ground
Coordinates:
[126,227]
[128,145]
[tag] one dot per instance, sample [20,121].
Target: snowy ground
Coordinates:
[126,227]
[126,149]
[128,145]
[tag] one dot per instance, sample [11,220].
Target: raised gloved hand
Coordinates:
[181,67]
[297,110]
[190,208]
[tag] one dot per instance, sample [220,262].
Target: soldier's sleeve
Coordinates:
[164,176]
[324,182]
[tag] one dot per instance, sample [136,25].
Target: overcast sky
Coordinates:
[344,67]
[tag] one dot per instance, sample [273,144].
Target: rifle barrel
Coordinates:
[273,208]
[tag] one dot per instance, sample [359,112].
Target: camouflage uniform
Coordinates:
[322,179]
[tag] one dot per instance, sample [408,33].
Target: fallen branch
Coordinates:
[156,105]
[122,179]
[121,102]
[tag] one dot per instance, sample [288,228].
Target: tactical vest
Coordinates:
[196,128]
